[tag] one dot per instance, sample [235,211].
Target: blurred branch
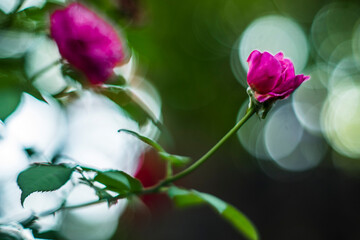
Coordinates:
[162,186]
[45,69]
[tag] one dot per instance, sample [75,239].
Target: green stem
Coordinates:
[43,70]
[169,170]
[249,113]
[206,156]
[73,207]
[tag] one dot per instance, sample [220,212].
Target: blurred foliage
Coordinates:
[185,198]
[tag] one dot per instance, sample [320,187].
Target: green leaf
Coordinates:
[46,235]
[11,85]
[240,222]
[184,198]
[33,91]
[117,80]
[118,181]
[237,219]
[129,102]
[146,140]
[175,160]
[42,178]
[10,99]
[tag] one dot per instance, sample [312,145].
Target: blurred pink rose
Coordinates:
[87,42]
[272,77]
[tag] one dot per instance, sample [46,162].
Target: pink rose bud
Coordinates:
[272,77]
[87,42]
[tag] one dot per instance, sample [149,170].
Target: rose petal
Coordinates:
[287,66]
[289,86]
[279,56]
[264,72]
[262,97]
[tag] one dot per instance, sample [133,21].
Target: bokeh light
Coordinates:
[326,105]
[283,132]
[332,30]
[341,119]
[309,99]
[282,139]
[251,135]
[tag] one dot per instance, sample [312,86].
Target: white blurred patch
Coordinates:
[94,141]
[32,3]
[37,125]
[97,222]
[43,54]
[309,99]
[12,161]
[7,6]
[14,44]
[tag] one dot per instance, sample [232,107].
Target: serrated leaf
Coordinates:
[42,178]
[237,219]
[118,181]
[175,160]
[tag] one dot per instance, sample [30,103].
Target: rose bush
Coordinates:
[87,42]
[272,77]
